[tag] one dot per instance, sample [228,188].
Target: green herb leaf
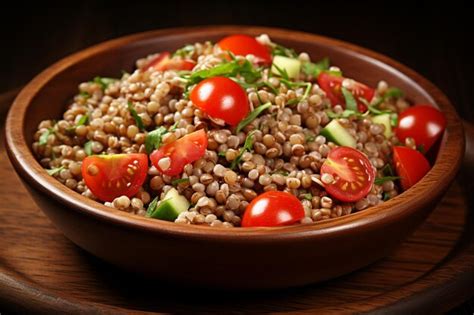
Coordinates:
[152,207]
[421,148]
[282,72]
[387,170]
[345,114]
[381,180]
[44,136]
[251,116]
[314,69]
[308,196]
[221,154]
[394,120]
[386,196]
[185,52]
[88,147]
[377,111]
[281,172]
[248,144]
[83,120]
[390,93]
[138,119]
[84,94]
[337,73]
[227,69]
[351,103]
[154,139]
[104,82]
[179,181]
[55,170]
[279,50]
[310,138]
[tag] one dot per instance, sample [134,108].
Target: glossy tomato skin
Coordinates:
[352,171]
[332,84]
[424,123]
[221,98]
[112,176]
[164,62]
[242,45]
[185,150]
[410,165]
[273,208]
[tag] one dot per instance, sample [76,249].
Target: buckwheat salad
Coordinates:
[244,132]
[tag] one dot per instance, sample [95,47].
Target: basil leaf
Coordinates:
[351,103]
[43,139]
[154,139]
[381,180]
[104,82]
[248,144]
[251,116]
[179,181]
[138,119]
[152,207]
[88,147]
[314,69]
[55,170]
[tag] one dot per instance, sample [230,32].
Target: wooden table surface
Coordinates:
[431,39]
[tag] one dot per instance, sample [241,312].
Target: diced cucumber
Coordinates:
[384,119]
[171,206]
[336,133]
[292,66]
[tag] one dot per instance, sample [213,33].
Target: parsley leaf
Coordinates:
[308,196]
[279,50]
[221,154]
[84,94]
[44,136]
[345,114]
[154,139]
[227,69]
[55,170]
[351,103]
[282,72]
[83,120]
[152,207]
[387,170]
[138,119]
[88,147]
[185,52]
[179,181]
[252,115]
[390,93]
[248,144]
[381,180]
[314,69]
[104,82]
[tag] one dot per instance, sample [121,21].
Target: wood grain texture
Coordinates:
[41,271]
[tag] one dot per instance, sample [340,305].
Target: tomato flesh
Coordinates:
[185,150]
[242,45]
[424,123]
[332,85]
[410,165]
[273,208]
[164,62]
[352,171]
[221,98]
[112,176]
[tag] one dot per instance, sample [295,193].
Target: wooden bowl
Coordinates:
[237,258]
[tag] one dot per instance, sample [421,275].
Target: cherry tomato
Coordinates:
[273,208]
[163,62]
[243,45]
[178,153]
[352,171]
[410,165]
[424,123]
[112,176]
[221,98]
[331,84]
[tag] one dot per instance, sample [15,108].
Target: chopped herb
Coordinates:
[310,138]
[252,115]
[83,120]
[345,114]
[104,82]
[386,196]
[55,170]
[381,180]
[221,154]
[282,72]
[291,85]
[279,50]
[394,120]
[44,136]
[390,93]
[154,139]
[247,147]
[175,126]
[281,172]
[387,170]
[421,148]
[377,111]
[179,181]
[84,94]
[351,103]
[337,73]
[88,147]
[138,119]
[308,196]
[185,52]
[314,69]
[152,207]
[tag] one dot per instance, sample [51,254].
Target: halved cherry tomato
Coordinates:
[178,153]
[112,176]
[273,208]
[221,98]
[352,171]
[243,45]
[410,165]
[424,123]
[163,62]
[331,84]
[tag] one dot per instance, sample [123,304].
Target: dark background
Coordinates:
[433,39]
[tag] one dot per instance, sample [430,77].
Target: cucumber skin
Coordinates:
[165,211]
[329,135]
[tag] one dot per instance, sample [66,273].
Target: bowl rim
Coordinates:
[434,182]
